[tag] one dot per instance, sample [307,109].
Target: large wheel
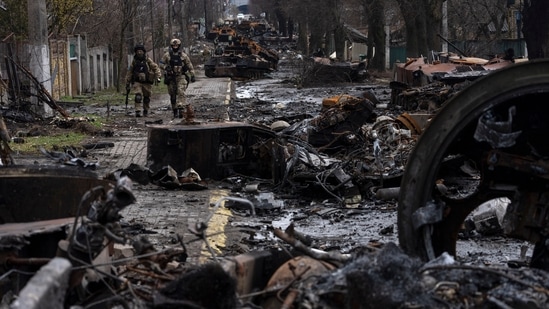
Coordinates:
[475,164]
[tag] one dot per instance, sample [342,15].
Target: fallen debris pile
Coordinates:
[323,70]
[388,278]
[141,276]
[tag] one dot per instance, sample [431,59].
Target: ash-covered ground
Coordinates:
[362,236]
[373,221]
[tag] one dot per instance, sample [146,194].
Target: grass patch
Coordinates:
[69,99]
[32,144]
[114,98]
[105,97]
[93,119]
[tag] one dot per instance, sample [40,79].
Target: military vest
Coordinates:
[177,63]
[141,71]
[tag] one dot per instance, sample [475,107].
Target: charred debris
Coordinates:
[95,262]
[349,153]
[237,53]
[249,49]
[418,84]
[305,278]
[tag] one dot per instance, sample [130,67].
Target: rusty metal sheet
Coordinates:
[41,192]
[31,228]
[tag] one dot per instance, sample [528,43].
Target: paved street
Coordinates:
[165,213]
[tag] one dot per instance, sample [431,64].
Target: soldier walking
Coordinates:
[179,72]
[142,74]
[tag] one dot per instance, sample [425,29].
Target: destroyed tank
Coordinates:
[237,56]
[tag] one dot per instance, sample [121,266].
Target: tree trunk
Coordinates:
[376,34]
[422,19]
[339,41]
[281,18]
[433,10]
[303,38]
[536,28]
[282,21]
[409,14]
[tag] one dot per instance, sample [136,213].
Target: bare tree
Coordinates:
[482,21]
[65,14]
[423,21]
[13,20]
[374,11]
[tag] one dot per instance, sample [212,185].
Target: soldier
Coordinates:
[142,74]
[179,72]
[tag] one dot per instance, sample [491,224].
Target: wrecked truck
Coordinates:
[489,141]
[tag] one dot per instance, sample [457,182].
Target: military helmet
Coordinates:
[139,47]
[175,42]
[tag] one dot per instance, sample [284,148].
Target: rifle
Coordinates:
[128,88]
[168,75]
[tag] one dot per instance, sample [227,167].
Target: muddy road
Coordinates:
[373,220]
[351,224]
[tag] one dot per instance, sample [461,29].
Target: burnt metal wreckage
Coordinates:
[489,142]
[84,272]
[237,55]
[418,84]
[488,135]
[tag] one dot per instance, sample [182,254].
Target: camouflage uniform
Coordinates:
[178,72]
[142,74]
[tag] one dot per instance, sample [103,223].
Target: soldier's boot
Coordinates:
[189,113]
[174,107]
[146,105]
[138,100]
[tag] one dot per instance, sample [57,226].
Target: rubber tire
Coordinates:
[418,181]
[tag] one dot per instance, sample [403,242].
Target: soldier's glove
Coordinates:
[193,79]
[128,87]
[169,70]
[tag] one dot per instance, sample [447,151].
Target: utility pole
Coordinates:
[39,52]
[445,25]
[170,17]
[152,33]
[206,26]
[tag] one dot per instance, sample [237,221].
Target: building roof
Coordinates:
[355,35]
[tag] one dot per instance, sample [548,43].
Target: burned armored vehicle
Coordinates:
[487,142]
[238,56]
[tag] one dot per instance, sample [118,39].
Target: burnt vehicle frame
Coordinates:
[486,142]
[236,55]
[216,150]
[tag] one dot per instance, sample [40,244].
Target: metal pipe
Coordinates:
[450,43]
[236,199]
[27,261]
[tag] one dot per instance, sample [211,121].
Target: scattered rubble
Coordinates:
[344,159]
[369,277]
